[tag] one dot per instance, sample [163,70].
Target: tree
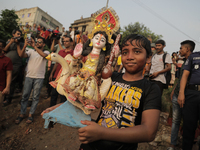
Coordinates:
[8,22]
[139,28]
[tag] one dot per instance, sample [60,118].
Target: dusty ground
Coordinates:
[35,137]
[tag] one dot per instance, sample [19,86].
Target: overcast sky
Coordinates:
[176,20]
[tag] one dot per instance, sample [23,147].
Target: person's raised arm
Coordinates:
[52,45]
[12,40]
[59,44]
[20,52]
[8,82]
[181,95]
[145,132]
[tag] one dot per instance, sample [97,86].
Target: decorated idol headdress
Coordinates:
[105,20]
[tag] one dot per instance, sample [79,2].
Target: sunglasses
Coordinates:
[39,42]
[65,41]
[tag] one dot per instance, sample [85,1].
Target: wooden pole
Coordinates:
[107,4]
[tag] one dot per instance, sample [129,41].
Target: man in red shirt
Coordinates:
[56,30]
[5,72]
[67,41]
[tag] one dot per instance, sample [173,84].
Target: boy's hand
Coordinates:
[12,40]
[92,132]
[6,91]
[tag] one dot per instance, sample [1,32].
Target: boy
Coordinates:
[5,72]
[132,105]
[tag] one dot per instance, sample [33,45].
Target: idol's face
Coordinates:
[99,41]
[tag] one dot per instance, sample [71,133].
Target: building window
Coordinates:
[29,14]
[26,23]
[83,28]
[53,25]
[23,16]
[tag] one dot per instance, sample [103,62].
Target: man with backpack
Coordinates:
[160,66]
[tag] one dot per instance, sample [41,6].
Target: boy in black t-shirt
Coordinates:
[130,111]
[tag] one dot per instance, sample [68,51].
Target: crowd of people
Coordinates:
[138,60]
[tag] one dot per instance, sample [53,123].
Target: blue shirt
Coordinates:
[192,64]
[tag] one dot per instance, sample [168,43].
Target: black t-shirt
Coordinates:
[123,107]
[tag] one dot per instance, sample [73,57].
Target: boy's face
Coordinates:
[159,48]
[17,34]
[133,57]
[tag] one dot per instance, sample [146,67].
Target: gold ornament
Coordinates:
[105,20]
[104,48]
[91,44]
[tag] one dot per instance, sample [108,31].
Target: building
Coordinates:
[83,24]
[38,16]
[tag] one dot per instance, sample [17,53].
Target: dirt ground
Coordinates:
[35,137]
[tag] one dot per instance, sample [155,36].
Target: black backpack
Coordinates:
[167,74]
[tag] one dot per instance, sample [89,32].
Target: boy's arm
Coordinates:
[145,132]
[20,52]
[181,95]
[8,82]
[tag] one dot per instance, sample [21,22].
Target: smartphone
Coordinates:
[29,38]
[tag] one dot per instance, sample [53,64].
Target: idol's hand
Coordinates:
[78,50]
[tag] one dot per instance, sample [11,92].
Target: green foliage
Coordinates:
[166,99]
[8,22]
[139,28]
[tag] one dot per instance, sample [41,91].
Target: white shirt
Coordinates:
[36,66]
[157,65]
[72,35]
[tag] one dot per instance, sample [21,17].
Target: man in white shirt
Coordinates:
[158,70]
[36,68]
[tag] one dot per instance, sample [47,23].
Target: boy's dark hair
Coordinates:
[161,42]
[140,41]
[191,44]
[43,39]
[66,36]
[15,30]
[3,42]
